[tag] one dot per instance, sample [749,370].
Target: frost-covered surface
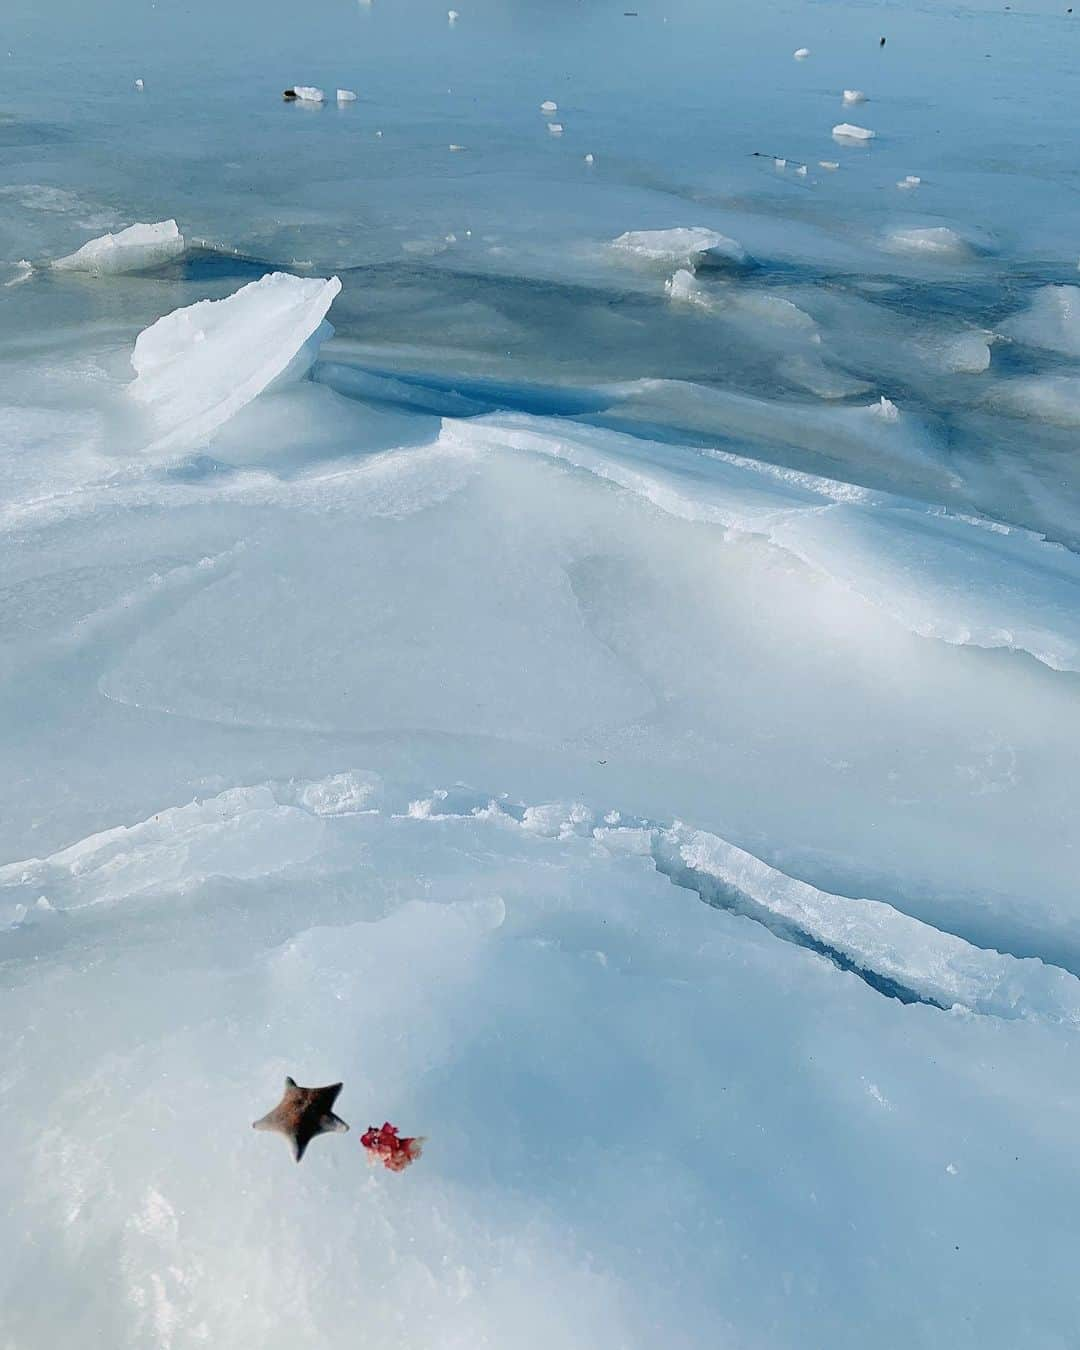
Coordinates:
[135,249]
[617,708]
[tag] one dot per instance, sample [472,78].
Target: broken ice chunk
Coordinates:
[935,241]
[131,250]
[686,246]
[199,365]
[140,85]
[308,93]
[684,288]
[802,53]
[453,15]
[1051,321]
[886,409]
[780,163]
[456,147]
[911,181]
[549,106]
[590,159]
[556,128]
[801,170]
[830,164]
[346,96]
[847,131]
[854,96]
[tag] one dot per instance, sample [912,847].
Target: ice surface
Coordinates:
[135,249]
[854,96]
[758,1095]
[620,714]
[308,93]
[199,365]
[346,96]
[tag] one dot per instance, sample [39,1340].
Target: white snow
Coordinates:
[135,249]
[199,365]
[848,131]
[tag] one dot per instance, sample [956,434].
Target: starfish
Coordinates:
[302,1114]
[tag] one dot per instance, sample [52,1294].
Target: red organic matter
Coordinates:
[384,1145]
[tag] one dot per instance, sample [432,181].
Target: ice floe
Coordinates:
[854,96]
[848,131]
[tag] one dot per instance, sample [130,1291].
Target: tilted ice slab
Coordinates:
[1051,321]
[199,365]
[132,250]
[683,246]
[877,940]
[243,833]
[253,832]
[961,579]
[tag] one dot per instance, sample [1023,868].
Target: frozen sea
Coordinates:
[576,634]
